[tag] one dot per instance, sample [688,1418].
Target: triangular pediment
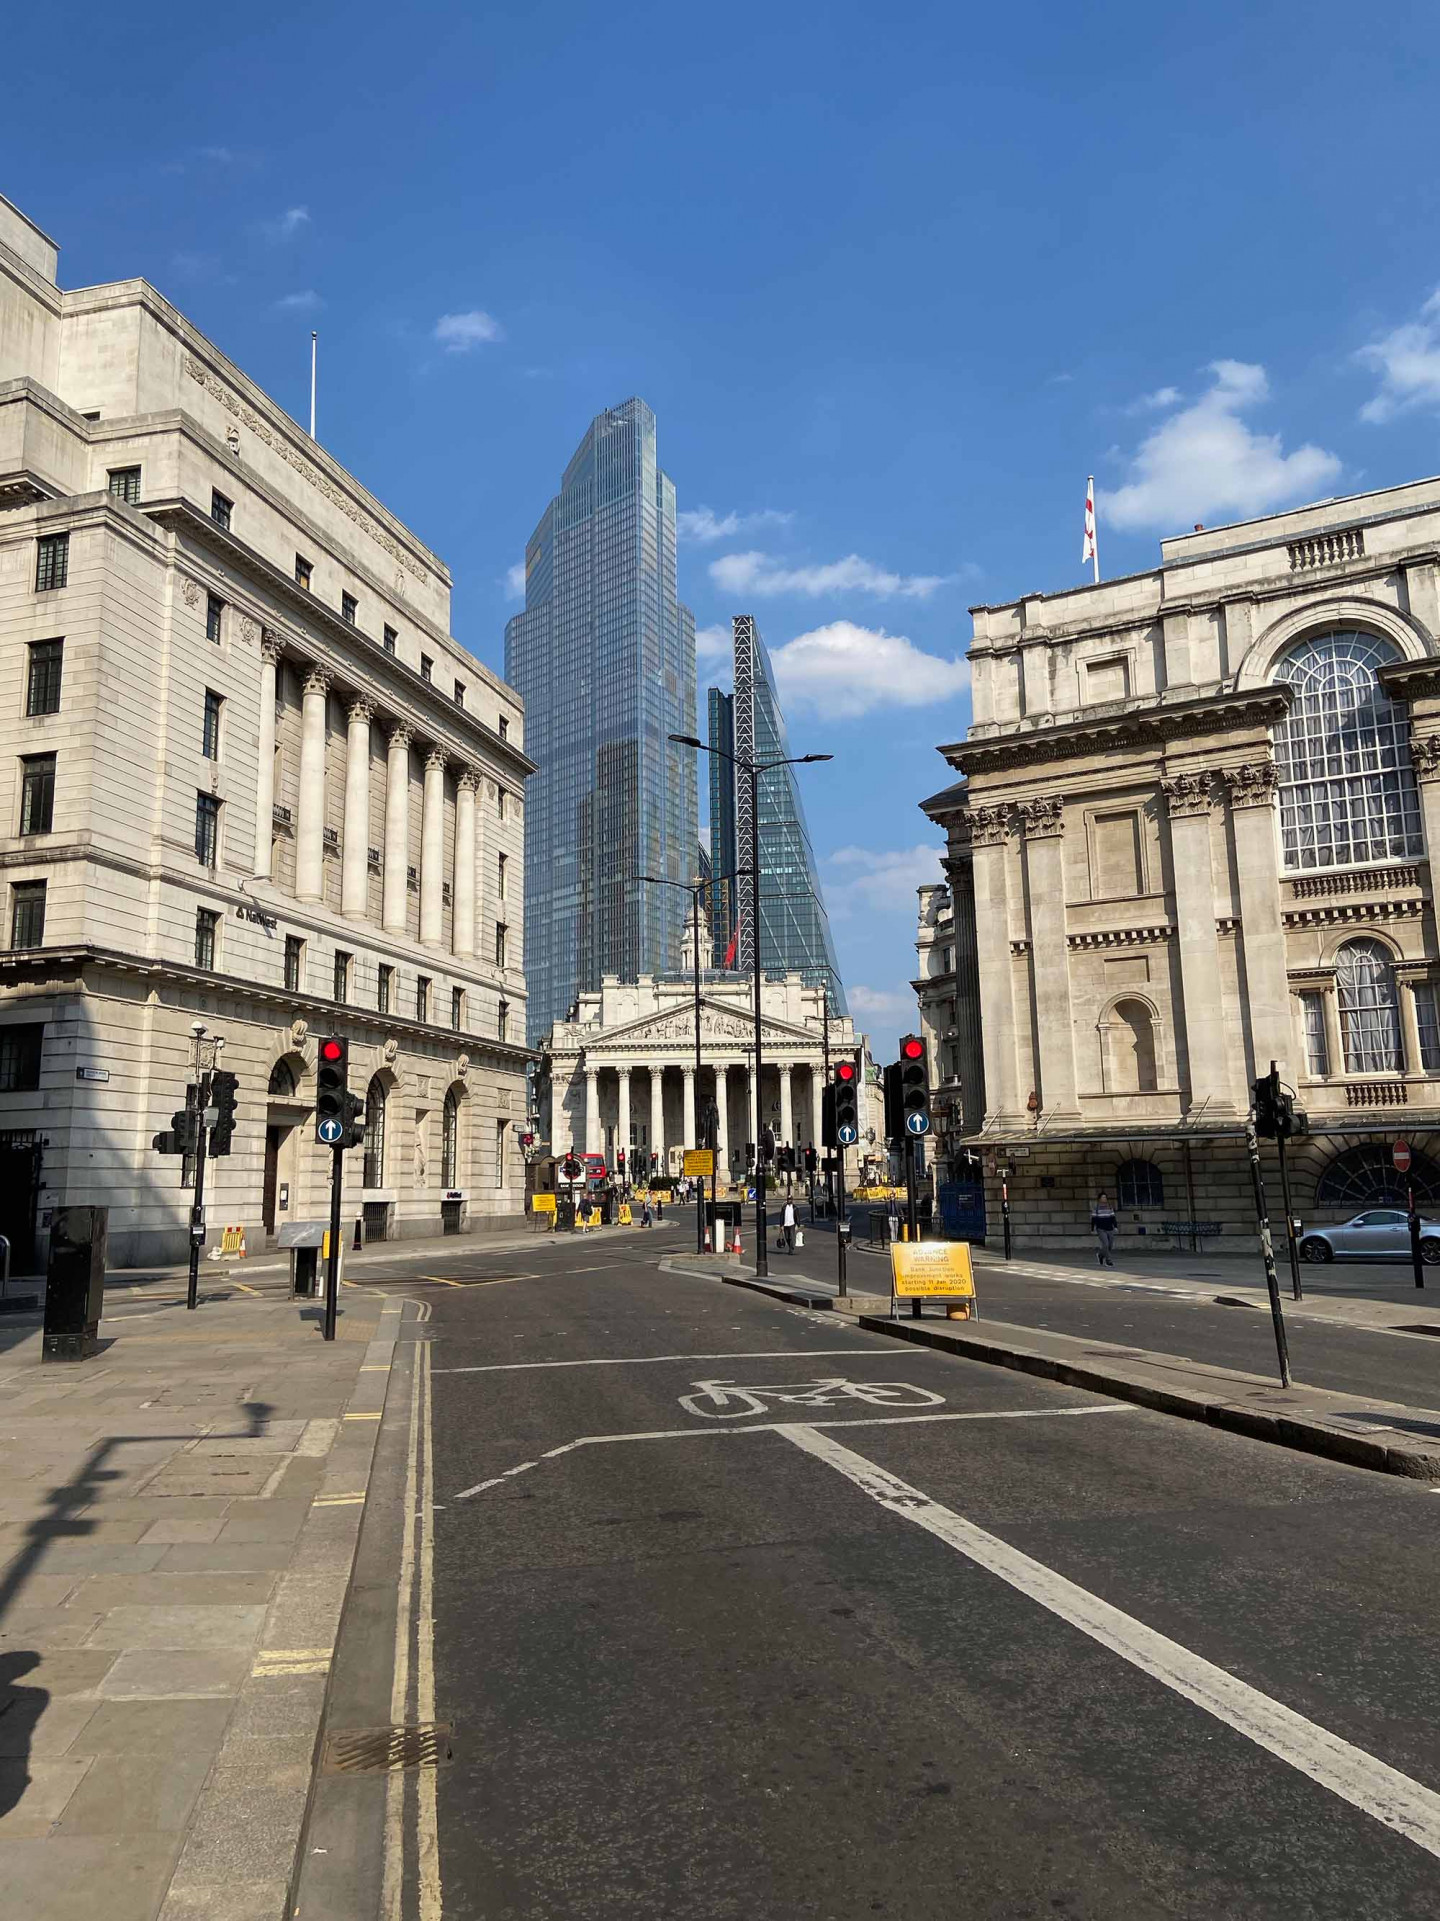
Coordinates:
[720,1023]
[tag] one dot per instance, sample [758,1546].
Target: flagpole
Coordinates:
[314,338]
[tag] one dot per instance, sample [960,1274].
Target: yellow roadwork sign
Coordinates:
[699,1160]
[931,1269]
[232,1243]
[625,1220]
[542,1203]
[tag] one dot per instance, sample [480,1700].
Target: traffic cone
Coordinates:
[707,1240]
[735,1244]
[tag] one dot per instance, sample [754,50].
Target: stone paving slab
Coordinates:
[158,1536]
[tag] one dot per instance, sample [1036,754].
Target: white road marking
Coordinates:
[1366,1783]
[652,1360]
[772,1427]
[730,1401]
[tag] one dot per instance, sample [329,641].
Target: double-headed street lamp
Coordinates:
[694,889]
[753,769]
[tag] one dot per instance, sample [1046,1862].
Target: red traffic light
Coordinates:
[912,1050]
[332,1050]
[845,1071]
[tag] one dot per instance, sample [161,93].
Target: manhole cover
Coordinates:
[386,1750]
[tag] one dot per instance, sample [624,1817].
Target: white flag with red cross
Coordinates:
[1090,551]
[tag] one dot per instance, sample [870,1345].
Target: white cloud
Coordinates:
[1408,362]
[308,301]
[760,574]
[1204,462]
[1148,403]
[842,671]
[882,1004]
[288,224]
[866,881]
[459,332]
[704,524]
[515,581]
[714,643]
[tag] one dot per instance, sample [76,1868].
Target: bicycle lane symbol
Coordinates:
[728,1401]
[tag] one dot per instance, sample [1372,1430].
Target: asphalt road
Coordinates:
[895,1649]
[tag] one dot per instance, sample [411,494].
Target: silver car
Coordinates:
[1379,1234]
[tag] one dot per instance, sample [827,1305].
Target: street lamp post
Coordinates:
[694,890]
[753,770]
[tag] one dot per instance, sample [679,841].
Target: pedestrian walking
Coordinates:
[787,1224]
[645,1212]
[1105,1226]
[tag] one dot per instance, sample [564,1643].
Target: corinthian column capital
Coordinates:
[317,681]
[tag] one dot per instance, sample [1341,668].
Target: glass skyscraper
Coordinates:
[794,927]
[604,657]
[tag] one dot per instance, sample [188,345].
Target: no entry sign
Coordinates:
[1400,1154]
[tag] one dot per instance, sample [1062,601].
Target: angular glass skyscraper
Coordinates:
[604,656]
[794,926]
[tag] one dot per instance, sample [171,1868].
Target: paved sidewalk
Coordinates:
[177,1530]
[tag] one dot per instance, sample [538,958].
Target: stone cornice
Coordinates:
[1146,729]
[1410,679]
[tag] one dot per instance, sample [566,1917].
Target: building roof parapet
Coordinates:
[1149,726]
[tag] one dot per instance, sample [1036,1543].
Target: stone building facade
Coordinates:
[622,1071]
[936,987]
[246,777]
[1195,834]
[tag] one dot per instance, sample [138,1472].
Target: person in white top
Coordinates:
[787,1222]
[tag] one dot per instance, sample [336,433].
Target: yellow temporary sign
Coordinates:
[542,1203]
[699,1160]
[232,1243]
[624,1216]
[931,1269]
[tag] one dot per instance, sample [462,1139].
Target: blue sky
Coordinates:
[894,283]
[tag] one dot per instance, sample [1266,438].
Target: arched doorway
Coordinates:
[285,1110]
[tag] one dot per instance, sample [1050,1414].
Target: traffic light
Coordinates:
[223,1086]
[914,1087]
[181,1136]
[767,1142]
[354,1118]
[847,1103]
[1276,1115]
[894,1106]
[332,1112]
[809,1160]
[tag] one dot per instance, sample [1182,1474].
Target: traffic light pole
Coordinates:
[762,1253]
[1296,1292]
[332,1263]
[1416,1263]
[1272,1285]
[197,1211]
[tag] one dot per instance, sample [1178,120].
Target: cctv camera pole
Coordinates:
[332,1262]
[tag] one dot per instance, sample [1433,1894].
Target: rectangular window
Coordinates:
[206,923]
[390,639]
[502,1021]
[220,508]
[1428,1023]
[500,802]
[42,684]
[125,485]
[459,693]
[504,728]
[1317,1043]
[294,962]
[1119,856]
[303,571]
[349,607]
[27,913]
[500,875]
[214,612]
[37,793]
[427,667]
[1107,680]
[20,1057]
[52,562]
[210,740]
[207,829]
[342,975]
[422,998]
[457,1008]
[501,937]
[382,992]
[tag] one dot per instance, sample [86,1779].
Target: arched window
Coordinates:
[375,1133]
[450,1142]
[1139,1184]
[282,1081]
[1365,1177]
[1132,1049]
[1347,789]
[1369,1008]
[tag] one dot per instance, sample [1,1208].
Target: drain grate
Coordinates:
[387,1750]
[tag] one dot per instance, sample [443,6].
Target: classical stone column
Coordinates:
[592,1109]
[1044,824]
[1189,799]
[265,771]
[1334,1039]
[988,828]
[752,1080]
[310,825]
[722,1126]
[1267,984]
[787,1113]
[463,933]
[1410,1028]
[657,1113]
[397,829]
[688,1108]
[354,881]
[1425,754]
[622,1115]
[432,852]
